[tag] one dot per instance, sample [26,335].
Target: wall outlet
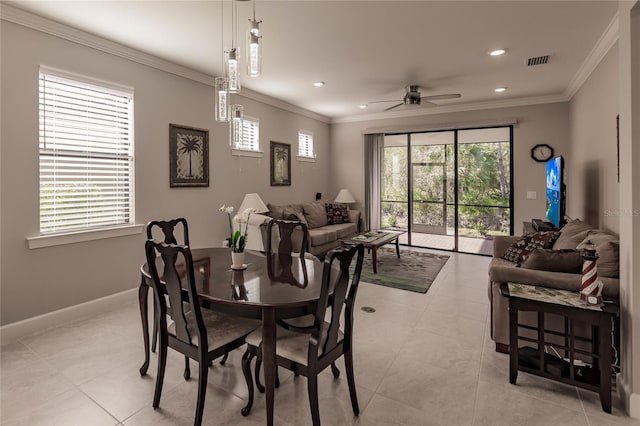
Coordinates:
[532,195]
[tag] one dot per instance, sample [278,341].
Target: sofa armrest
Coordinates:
[354,217]
[501,243]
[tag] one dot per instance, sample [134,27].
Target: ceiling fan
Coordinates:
[413,98]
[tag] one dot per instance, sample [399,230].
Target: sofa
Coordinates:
[557,265]
[326,224]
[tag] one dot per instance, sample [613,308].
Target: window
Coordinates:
[305,144]
[86,154]
[250,134]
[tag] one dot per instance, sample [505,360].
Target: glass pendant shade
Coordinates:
[254,60]
[232,70]
[221,85]
[236,126]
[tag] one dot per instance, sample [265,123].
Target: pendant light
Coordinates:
[236,126]
[221,84]
[254,49]
[232,59]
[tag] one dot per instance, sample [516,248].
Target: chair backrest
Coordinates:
[286,230]
[344,283]
[168,228]
[176,261]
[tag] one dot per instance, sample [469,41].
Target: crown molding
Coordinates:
[601,48]
[27,19]
[445,109]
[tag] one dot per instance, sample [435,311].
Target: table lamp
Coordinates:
[345,197]
[253,201]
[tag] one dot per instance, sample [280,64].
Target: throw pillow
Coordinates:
[275,212]
[294,212]
[315,214]
[569,261]
[608,248]
[572,234]
[519,250]
[337,213]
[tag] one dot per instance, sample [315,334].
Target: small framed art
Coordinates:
[280,164]
[188,156]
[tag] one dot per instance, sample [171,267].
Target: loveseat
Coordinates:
[327,224]
[558,266]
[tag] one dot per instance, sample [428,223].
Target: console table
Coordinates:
[536,361]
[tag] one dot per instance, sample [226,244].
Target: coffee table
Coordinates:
[373,240]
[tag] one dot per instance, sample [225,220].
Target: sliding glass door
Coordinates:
[448,190]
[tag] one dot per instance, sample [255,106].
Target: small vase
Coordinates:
[237,260]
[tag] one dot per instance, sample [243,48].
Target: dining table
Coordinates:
[271,287]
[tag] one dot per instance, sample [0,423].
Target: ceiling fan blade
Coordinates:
[395,106]
[442,97]
[390,100]
[427,104]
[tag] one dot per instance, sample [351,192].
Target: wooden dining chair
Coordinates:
[199,334]
[307,350]
[290,241]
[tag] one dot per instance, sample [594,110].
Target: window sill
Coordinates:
[77,237]
[246,153]
[306,159]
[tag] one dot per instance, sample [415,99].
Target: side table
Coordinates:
[567,304]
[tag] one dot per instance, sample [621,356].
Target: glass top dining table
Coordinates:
[272,287]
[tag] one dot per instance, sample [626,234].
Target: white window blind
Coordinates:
[250,134]
[305,144]
[86,154]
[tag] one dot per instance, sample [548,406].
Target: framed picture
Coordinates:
[280,164]
[188,156]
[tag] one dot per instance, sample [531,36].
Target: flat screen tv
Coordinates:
[555,192]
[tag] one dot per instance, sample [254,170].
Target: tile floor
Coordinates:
[419,360]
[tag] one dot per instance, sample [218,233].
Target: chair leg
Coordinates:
[246,370]
[312,384]
[162,363]
[334,370]
[348,365]
[224,358]
[155,327]
[203,372]
[257,374]
[187,369]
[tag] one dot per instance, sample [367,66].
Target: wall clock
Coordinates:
[541,152]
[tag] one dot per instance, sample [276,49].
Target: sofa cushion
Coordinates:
[337,213]
[554,260]
[608,248]
[275,212]
[571,235]
[519,250]
[294,212]
[319,236]
[343,230]
[315,214]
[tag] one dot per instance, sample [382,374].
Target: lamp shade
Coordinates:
[253,201]
[345,196]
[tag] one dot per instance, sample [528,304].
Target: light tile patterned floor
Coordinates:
[419,360]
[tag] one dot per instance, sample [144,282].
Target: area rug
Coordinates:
[414,271]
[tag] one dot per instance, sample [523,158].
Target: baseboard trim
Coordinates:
[16,330]
[630,400]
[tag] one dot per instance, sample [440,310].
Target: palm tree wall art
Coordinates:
[188,156]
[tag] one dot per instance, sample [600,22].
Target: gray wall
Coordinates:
[547,123]
[38,281]
[592,170]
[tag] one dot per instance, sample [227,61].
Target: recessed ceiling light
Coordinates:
[319,83]
[499,89]
[363,106]
[497,52]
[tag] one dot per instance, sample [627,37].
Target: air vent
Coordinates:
[537,60]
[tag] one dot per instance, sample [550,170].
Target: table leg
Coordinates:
[374,259]
[604,365]
[398,247]
[269,358]
[513,344]
[143,292]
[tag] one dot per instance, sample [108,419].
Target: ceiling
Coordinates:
[363,50]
